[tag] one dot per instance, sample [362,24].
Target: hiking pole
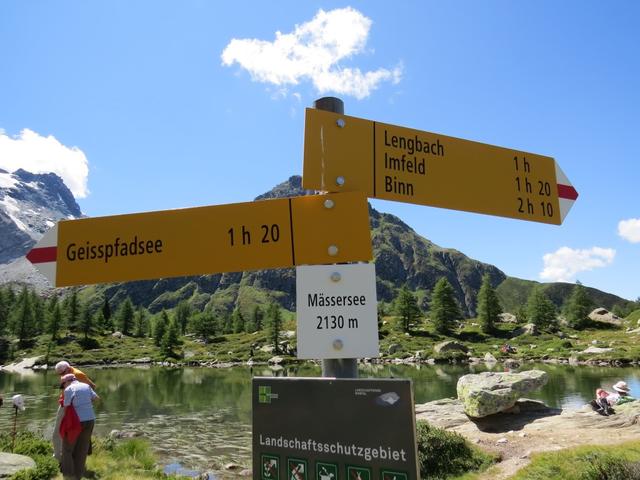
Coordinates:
[18,404]
[15,425]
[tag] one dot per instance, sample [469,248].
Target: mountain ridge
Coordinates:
[402,257]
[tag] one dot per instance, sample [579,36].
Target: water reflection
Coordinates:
[202,417]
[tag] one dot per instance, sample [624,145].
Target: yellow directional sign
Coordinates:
[276,233]
[343,153]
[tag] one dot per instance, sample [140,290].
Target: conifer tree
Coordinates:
[87,327]
[124,317]
[238,321]
[578,308]
[444,308]
[227,323]
[182,314]
[170,339]
[98,322]
[160,327]
[106,309]
[4,312]
[489,308]
[72,310]
[22,319]
[38,313]
[540,310]
[140,323]
[203,325]
[54,324]
[407,309]
[256,319]
[274,326]
[107,323]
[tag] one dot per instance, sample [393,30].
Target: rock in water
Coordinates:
[487,393]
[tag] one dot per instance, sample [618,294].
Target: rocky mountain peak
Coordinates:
[30,204]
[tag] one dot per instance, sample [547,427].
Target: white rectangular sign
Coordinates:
[337,311]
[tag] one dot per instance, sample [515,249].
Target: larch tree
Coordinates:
[489,308]
[578,308]
[444,311]
[406,307]
[540,310]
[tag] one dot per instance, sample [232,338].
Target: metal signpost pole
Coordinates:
[342,367]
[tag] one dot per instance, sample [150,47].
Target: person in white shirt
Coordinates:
[74,453]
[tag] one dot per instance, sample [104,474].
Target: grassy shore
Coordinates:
[110,460]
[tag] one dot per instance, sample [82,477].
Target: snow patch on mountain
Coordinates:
[30,204]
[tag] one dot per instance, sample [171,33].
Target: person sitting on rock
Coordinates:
[621,394]
[601,403]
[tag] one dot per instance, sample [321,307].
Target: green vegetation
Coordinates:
[633,317]
[110,460]
[444,308]
[578,307]
[31,326]
[406,307]
[443,454]
[26,443]
[617,462]
[489,307]
[540,310]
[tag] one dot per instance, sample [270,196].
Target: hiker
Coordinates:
[63,368]
[621,394]
[76,425]
[601,403]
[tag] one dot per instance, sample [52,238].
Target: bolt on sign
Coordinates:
[336,310]
[314,229]
[333,429]
[343,153]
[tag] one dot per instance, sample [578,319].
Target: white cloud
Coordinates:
[313,52]
[563,264]
[630,229]
[37,154]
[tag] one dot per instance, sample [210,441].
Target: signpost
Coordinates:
[336,309]
[285,232]
[333,429]
[343,153]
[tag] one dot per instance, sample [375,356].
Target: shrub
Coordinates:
[442,454]
[609,467]
[29,444]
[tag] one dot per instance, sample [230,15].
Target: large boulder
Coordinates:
[605,316]
[11,463]
[487,393]
[528,329]
[450,346]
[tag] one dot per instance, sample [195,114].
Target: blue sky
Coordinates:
[135,106]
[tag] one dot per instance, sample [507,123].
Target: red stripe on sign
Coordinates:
[567,191]
[42,255]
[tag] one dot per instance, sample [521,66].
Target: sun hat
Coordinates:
[62,367]
[621,387]
[69,377]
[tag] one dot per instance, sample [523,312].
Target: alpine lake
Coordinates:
[201,417]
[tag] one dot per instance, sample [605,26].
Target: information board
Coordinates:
[333,429]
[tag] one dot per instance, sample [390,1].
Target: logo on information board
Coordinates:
[297,468]
[265,395]
[326,471]
[392,475]
[270,467]
[358,473]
